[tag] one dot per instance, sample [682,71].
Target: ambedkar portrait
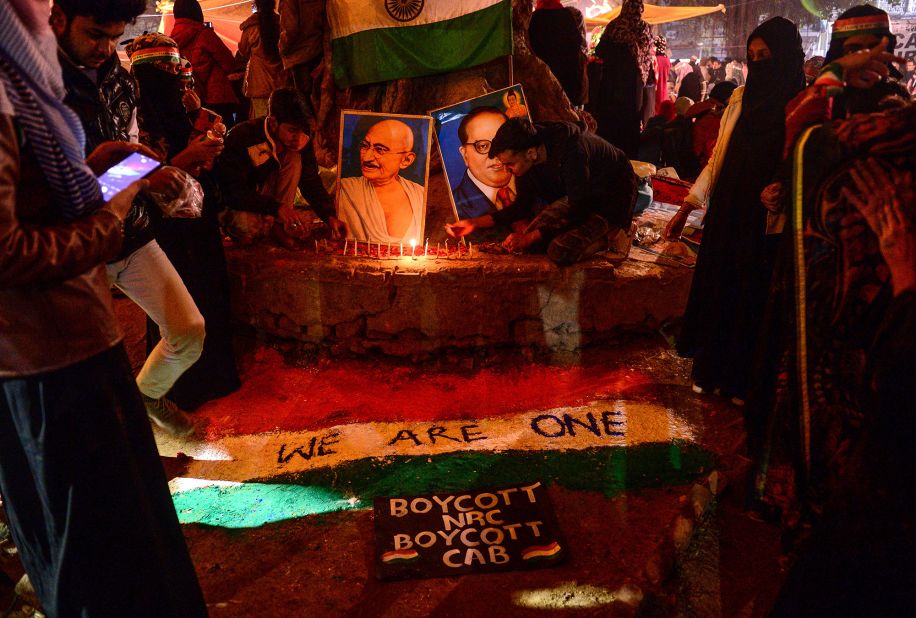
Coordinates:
[383,170]
[478,184]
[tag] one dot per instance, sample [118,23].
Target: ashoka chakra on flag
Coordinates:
[404,10]
[383,40]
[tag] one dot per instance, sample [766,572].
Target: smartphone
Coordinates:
[133,167]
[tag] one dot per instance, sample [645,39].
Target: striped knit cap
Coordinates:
[154,48]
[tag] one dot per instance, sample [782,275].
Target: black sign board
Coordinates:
[478,531]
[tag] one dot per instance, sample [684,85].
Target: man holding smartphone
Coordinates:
[104,96]
[82,483]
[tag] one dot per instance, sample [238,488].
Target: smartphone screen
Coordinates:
[117,177]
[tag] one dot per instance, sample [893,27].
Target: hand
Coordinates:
[886,203]
[771,197]
[120,203]
[460,229]
[108,154]
[190,100]
[517,242]
[338,228]
[167,181]
[200,152]
[866,67]
[290,217]
[678,221]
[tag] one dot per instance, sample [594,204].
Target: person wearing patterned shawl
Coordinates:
[831,424]
[626,50]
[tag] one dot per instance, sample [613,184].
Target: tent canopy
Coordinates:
[654,14]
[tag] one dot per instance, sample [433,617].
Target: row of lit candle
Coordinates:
[469,250]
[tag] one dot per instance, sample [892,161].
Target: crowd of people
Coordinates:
[801,308]
[801,305]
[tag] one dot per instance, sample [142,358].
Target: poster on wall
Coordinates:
[905,31]
[383,175]
[440,535]
[478,185]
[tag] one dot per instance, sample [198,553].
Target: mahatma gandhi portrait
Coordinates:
[381,205]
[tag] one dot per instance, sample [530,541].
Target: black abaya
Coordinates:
[732,277]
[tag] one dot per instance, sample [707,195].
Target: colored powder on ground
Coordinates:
[276,395]
[610,470]
[250,505]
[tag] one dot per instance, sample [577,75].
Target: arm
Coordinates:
[235,171]
[312,188]
[31,254]
[246,43]
[521,208]
[576,175]
[221,54]
[289,25]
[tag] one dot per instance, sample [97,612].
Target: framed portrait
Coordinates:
[477,184]
[383,173]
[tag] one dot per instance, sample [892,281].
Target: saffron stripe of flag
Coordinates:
[369,45]
[541,551]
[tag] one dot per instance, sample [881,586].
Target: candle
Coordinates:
[355,248]
[437,249]
[413,247]
[346,244]
[316,245]
[446,248]
[470,249]
[389,248]
[426,248]
[401,248]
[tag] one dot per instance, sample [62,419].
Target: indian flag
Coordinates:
[542,551]
[399,555]
[381,40]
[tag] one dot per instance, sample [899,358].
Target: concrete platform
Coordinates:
[412,307]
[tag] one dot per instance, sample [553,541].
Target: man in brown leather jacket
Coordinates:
[81,480]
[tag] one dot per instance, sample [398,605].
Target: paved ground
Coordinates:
[643,529]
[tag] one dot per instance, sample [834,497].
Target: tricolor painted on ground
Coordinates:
[381,40]
[609,446]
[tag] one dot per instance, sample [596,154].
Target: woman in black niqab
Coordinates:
[729,290]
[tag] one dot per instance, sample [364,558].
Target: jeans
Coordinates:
[87,498]
[148,278]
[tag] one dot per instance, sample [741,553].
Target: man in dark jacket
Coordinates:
[104,96]
[580,190]
[265,161]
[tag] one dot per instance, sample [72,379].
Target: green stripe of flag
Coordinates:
[354,484]
[385,54]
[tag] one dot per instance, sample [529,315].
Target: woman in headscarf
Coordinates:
[173,121]
[557,36]
[626,50]
[732,276]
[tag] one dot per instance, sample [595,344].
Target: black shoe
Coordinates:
[168,416]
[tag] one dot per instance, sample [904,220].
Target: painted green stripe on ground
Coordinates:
[354,484]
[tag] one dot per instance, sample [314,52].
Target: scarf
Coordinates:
[32,80]
[630,30]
